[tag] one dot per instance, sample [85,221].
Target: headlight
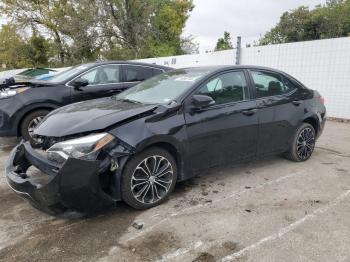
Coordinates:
[86,147]
[11,92]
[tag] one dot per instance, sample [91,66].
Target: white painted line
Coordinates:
[234,195]
[148,229]
[287,229]
[180,252]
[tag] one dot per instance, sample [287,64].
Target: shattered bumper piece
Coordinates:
[73,186]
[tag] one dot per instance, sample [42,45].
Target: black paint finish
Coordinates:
[48,95]
[197,137]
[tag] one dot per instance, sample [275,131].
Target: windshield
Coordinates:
[164,88]
[66,75]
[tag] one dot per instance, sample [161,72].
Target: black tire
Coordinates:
[24,127]
[128,178]
[297,149]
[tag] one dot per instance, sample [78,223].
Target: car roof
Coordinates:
[216,68]
[166,68]
[219,68]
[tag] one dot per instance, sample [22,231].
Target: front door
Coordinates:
[103,81]
[226,131]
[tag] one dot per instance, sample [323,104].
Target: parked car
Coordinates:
[12,72]
[137,145]
[25,74]
[23,105]
[51,74]
[34,72]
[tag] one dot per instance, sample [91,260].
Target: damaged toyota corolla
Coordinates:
[135,146]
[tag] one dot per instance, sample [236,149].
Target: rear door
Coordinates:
[103,81]
[226,131]
[280,110]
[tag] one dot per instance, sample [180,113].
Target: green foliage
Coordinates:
[146,28]
[37,49]
[12,48]
[328,21]
[168,23]
[224,43]
[16,52]
[78,31]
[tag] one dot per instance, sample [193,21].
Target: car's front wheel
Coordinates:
[30,122]
[303,143]
[149,178]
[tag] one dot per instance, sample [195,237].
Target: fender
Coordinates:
[26,109]
[316,120]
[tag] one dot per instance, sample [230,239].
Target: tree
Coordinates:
[302,24]
[224,43]
[12,48]
[168,21]
[81,29]
[44,13]
[37,50]
[189,46]
[145,28]
[66,21]
[85,30]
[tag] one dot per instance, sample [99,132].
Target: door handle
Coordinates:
[296,102]
[249,112]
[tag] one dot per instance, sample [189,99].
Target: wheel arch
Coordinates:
[173,150]
[33,108]
[312,120]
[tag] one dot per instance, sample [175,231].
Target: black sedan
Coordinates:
[23,105]
[137,145]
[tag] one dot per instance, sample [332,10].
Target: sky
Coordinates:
[248,18]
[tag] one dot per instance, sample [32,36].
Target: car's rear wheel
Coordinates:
[30,122]
[149,178]
[303,143]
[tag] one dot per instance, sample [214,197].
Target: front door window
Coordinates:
[226,88]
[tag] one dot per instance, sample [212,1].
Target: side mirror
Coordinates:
[201,101]
[80,82]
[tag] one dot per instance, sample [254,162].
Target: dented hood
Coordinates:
[91,115]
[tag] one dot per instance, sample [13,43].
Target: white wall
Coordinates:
[226,57]
[323,65]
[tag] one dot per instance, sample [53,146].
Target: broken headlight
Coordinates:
[86,147]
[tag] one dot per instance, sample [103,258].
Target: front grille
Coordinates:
[44,142]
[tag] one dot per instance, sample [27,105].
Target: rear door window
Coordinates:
[270,84]
[137,73]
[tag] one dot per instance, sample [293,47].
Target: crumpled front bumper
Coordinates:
[73,186]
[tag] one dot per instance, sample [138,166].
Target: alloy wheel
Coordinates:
[33,124]
[152,179]
[305,143]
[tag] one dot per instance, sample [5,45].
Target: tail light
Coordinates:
[321,99]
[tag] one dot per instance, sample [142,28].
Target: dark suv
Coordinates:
[23,105]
